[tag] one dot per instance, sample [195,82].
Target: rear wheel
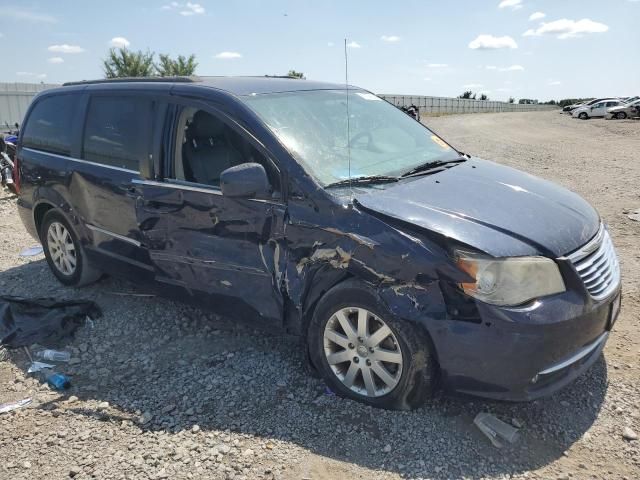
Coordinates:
[583,116]
[64,253]
[365,353]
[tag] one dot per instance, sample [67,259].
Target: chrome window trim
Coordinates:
[579,355]
[79,160]
[177,186]
[189,188]
[115,235]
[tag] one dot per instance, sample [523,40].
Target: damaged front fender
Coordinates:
[404,269]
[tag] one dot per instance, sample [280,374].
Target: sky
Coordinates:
[542,49]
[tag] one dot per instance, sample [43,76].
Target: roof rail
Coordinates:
[136,80]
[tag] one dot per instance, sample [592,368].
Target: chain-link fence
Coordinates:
[446,105]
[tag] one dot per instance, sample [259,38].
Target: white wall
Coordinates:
[15,99]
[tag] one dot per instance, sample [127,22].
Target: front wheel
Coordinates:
[583,116]
[365,353]
[621,115]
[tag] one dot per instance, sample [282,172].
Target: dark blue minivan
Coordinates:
[325,211]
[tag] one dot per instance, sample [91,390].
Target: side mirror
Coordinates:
[244,181]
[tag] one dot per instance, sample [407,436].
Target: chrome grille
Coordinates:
[597,264]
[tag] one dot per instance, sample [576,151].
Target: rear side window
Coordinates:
[117,131]
[49,126]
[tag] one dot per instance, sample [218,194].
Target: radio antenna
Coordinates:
[346,83]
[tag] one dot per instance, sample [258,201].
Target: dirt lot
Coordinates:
[162,390]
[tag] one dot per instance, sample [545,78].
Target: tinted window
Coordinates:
[49,125]
[117,131]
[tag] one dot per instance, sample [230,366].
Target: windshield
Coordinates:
[313,127]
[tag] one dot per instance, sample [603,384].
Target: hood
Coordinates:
[496,209]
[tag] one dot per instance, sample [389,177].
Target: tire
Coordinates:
[397,386]
[621,115]
[583,116]
[60,244]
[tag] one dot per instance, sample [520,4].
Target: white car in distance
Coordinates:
[597,109]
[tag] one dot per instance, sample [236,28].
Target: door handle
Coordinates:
[130,190]
[152,206]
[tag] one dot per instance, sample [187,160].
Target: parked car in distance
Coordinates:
[570,108]
[630,99]
[625,110]
[597,109]
[588,103]
[402,262]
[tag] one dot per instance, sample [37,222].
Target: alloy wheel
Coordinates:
[61,248]
[363,352]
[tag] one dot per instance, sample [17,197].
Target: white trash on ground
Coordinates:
[495,429]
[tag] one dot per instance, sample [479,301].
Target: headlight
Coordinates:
[509,281]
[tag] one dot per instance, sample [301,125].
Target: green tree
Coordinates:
[123,63]
[180,67]
[294,74]
[512,100]
[466,94]
[484,97]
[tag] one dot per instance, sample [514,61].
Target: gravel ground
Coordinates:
[163,390]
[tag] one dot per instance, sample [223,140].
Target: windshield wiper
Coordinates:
[426,167]
[363,180]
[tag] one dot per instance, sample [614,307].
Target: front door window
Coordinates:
[206,146]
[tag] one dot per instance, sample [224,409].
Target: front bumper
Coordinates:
[523,354]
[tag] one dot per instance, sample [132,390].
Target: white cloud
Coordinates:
[565,28]
[537,16]
[192,9]
[1,34]
[185,9]
[55,60]
[353,44]
[438,65]
[119,42]
[489,42]
[19,14]
[330,44]
[427,79]
[473,85]
[64,48]
[228,55]
[512,4]
[553,83]
[390,38]
[512,68]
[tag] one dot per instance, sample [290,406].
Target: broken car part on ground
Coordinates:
[399,259]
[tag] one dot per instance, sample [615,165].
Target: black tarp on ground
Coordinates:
[25,321]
